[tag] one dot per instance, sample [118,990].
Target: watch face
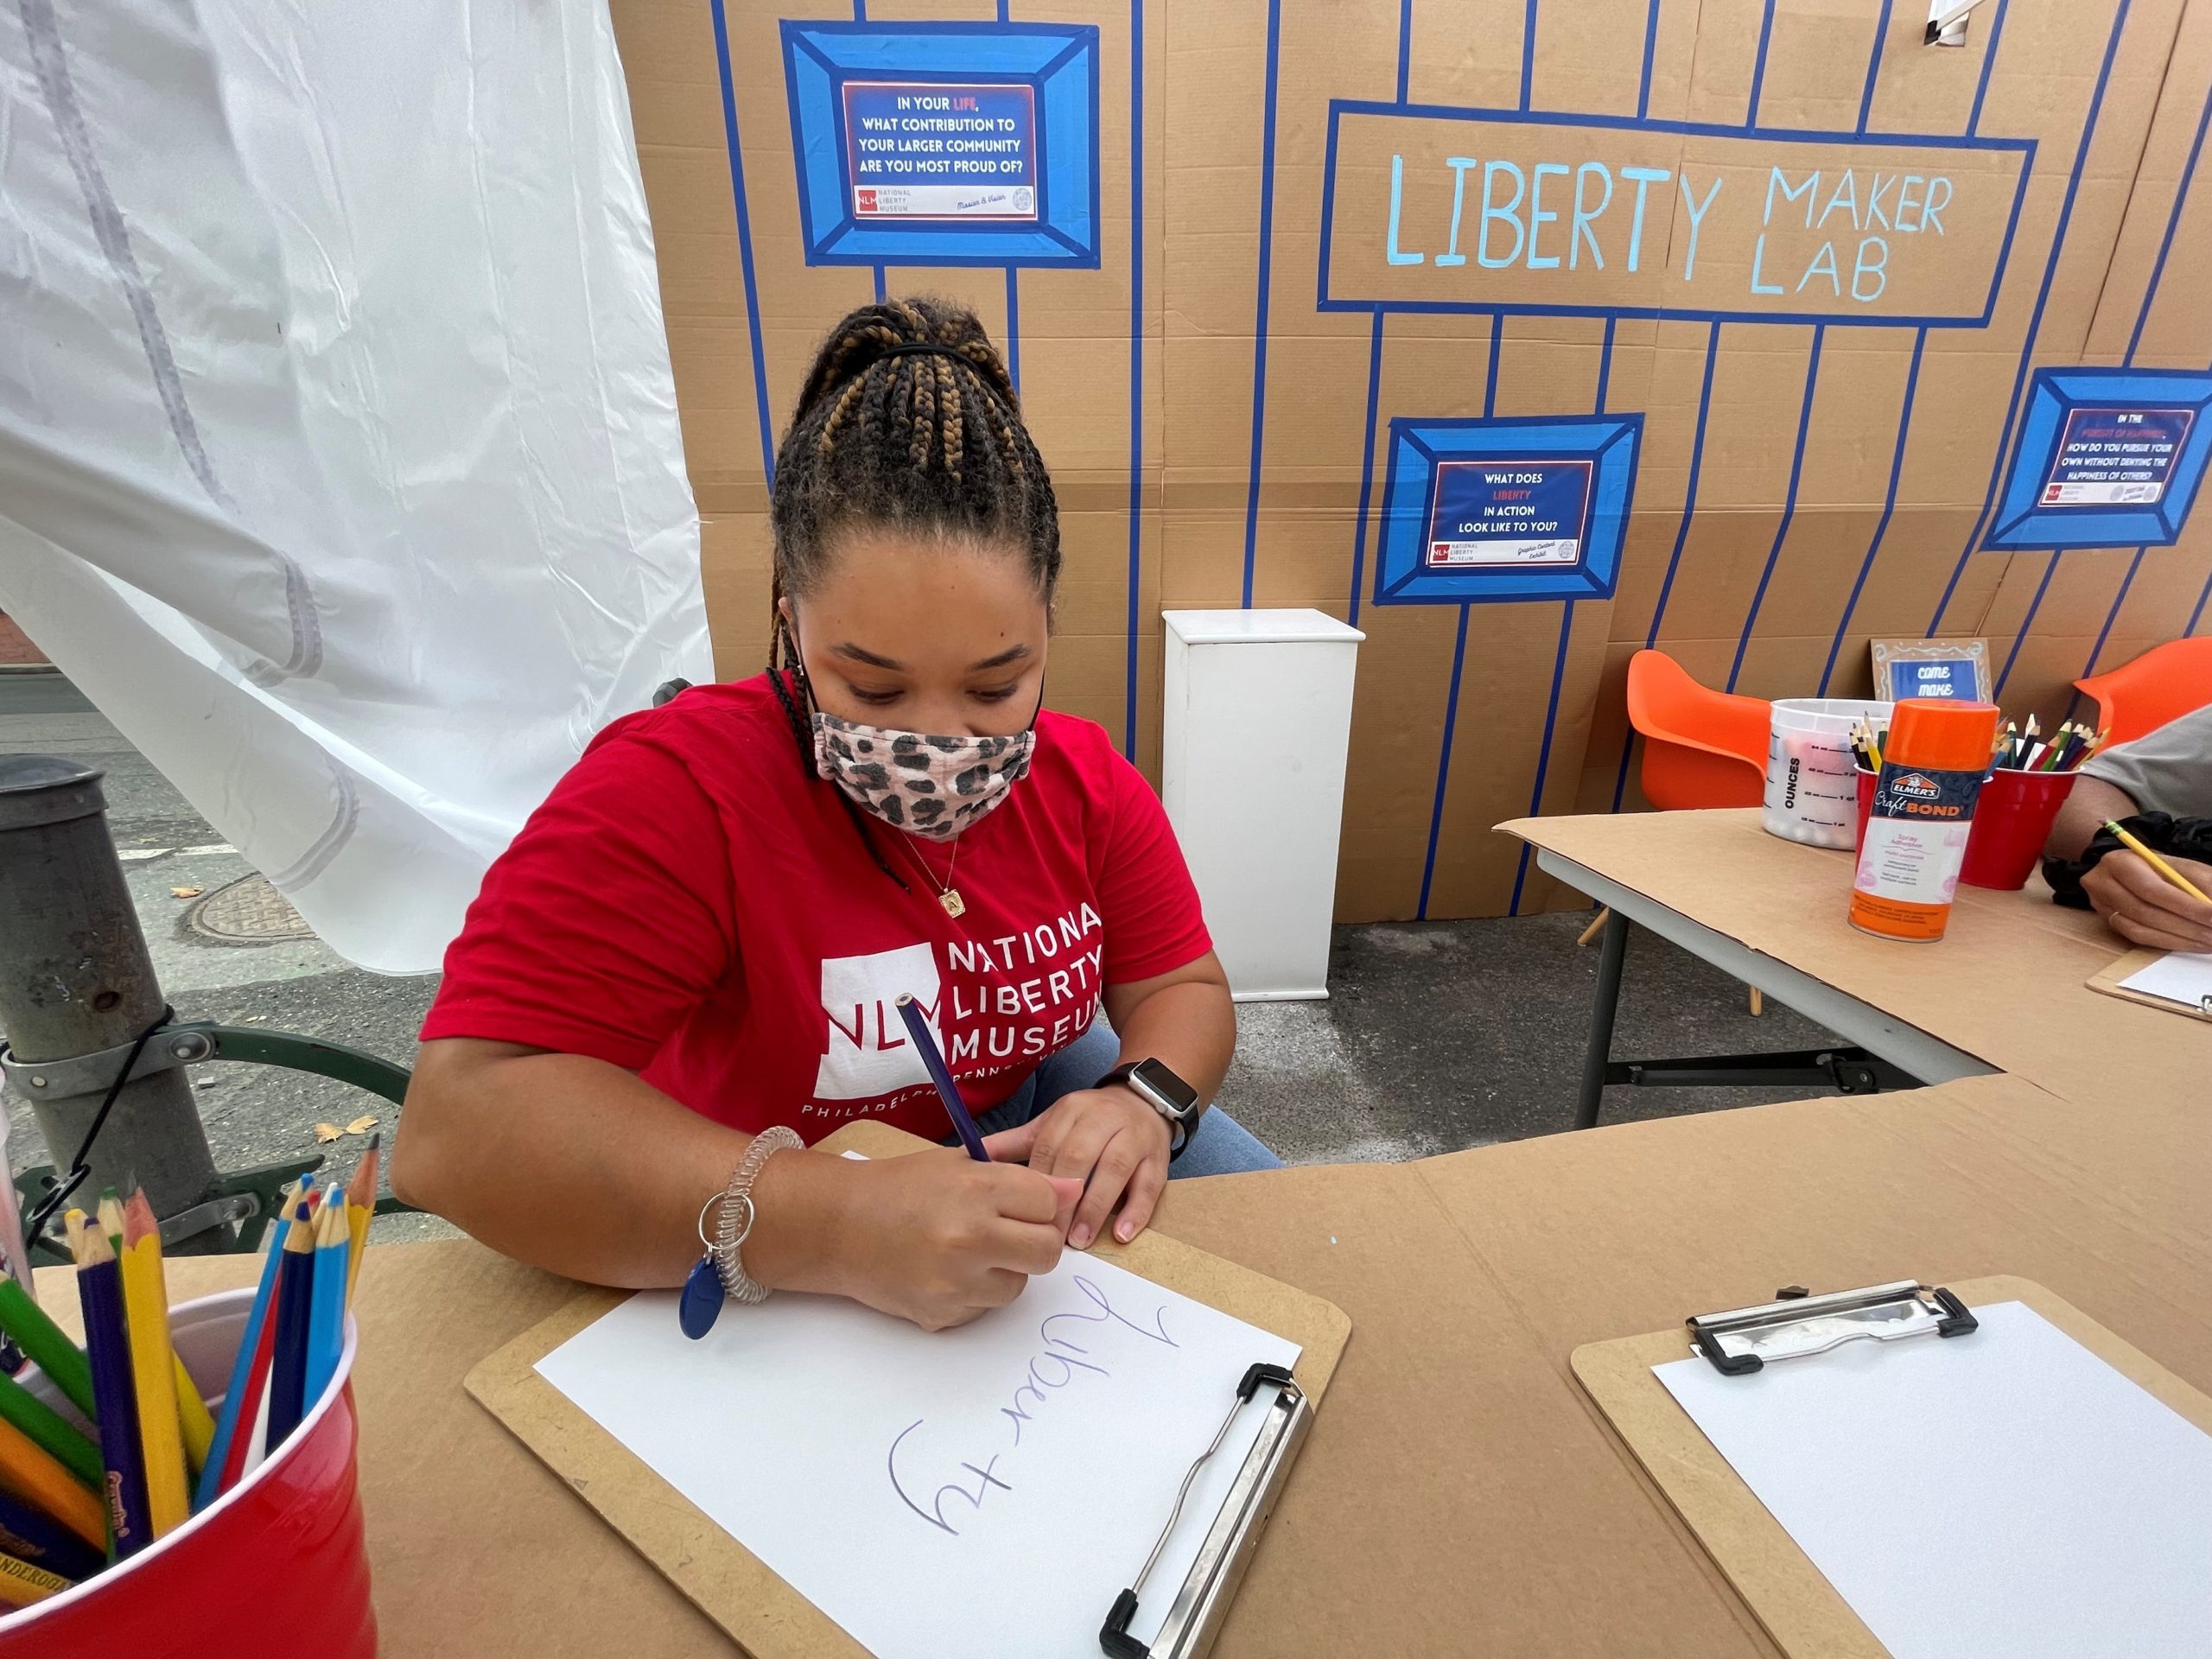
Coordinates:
[1158,1079]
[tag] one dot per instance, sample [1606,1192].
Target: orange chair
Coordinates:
[1701,747]
[2164,683]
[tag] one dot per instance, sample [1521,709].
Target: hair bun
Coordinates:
[894,329]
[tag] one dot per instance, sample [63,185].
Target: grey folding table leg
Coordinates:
[1612,950]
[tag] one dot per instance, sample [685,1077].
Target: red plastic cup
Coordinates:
[288,1536]
[1867,781]
[2011,822]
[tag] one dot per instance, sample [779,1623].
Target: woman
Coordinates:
[703,933]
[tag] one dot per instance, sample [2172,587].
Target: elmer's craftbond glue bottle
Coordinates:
[1932,771]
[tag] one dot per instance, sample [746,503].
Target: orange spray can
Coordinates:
[1932,772]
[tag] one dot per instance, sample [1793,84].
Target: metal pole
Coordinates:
[1612,951]
[77,986]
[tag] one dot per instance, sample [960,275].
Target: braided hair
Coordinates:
[908,421]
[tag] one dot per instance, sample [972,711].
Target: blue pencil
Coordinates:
[29,1534]
[99,1289]
[327,1311]
[288,1361]
[941,1075]
[226,1425]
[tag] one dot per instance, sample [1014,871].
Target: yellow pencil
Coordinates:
[2157,864]
[360,1210]
[153,1366]
[22,1584]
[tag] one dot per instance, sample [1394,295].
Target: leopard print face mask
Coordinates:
[930,786]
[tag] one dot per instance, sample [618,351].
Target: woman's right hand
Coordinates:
[938,1238]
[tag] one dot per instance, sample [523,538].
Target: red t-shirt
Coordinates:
[693,903]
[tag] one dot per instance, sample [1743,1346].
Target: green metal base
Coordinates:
[250,1195]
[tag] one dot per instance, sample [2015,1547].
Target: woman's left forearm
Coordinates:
[1184,1021]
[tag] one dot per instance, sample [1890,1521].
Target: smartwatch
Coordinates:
[1153,1083]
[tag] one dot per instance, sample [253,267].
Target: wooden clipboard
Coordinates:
[1796,1606]
[2133,963]
[762,1614]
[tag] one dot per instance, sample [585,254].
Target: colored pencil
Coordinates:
[327,1311]
[29,1534]
[33,1476]
[2157,864]
[60,1437]
[360,1210]
[287,1364]
[948,1090]
[111,1221]
[253,1404]
[22,1584]
[107,1341]
[44,1344]
[153,1366]
[250,1343]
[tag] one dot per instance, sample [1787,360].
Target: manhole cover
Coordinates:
[248,911]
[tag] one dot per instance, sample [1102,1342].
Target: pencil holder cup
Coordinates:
[2011,822]
[1867,781]
[288,1535]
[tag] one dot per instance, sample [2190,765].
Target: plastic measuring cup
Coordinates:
[1811,793]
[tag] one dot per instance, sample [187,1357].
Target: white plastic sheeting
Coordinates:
[338,458]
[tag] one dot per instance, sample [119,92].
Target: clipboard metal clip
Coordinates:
[1196,1613]
[1741,1340]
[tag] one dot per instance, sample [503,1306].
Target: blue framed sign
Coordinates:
[1491,511]
[1931,668]
[946,143]
[2107,457]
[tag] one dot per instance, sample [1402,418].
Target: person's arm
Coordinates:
[2092,802]
[1113,1138]
[2145,908]
[595,936]
[575,1165]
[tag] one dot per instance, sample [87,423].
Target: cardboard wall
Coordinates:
[1819,451]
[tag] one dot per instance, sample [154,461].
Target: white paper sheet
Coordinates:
[984,1490]
[2004,1494]
[2182,977]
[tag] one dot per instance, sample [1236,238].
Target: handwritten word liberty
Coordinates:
[1062,1363]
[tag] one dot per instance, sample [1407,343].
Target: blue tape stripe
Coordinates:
[1988,63]
[1014,323]
[2049,569]
[745,247]
[879,289]
[1889,506]
[1528,52]
[1682,535]
[1759,66]
[1689,496]
[2173,223]
[2112,615]
[1544,753]
[2035,321]
[2195,615]
[1136,364]
[1406,46]
[1259,308]
[1366,468]
[1459,652]
[1651,45]
[1874,64]
[1559,664]
[2135,336]
[1443,766]
[1788,507]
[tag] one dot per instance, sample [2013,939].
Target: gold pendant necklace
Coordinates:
[947,895]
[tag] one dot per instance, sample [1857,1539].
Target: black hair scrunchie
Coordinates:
[2161,832]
